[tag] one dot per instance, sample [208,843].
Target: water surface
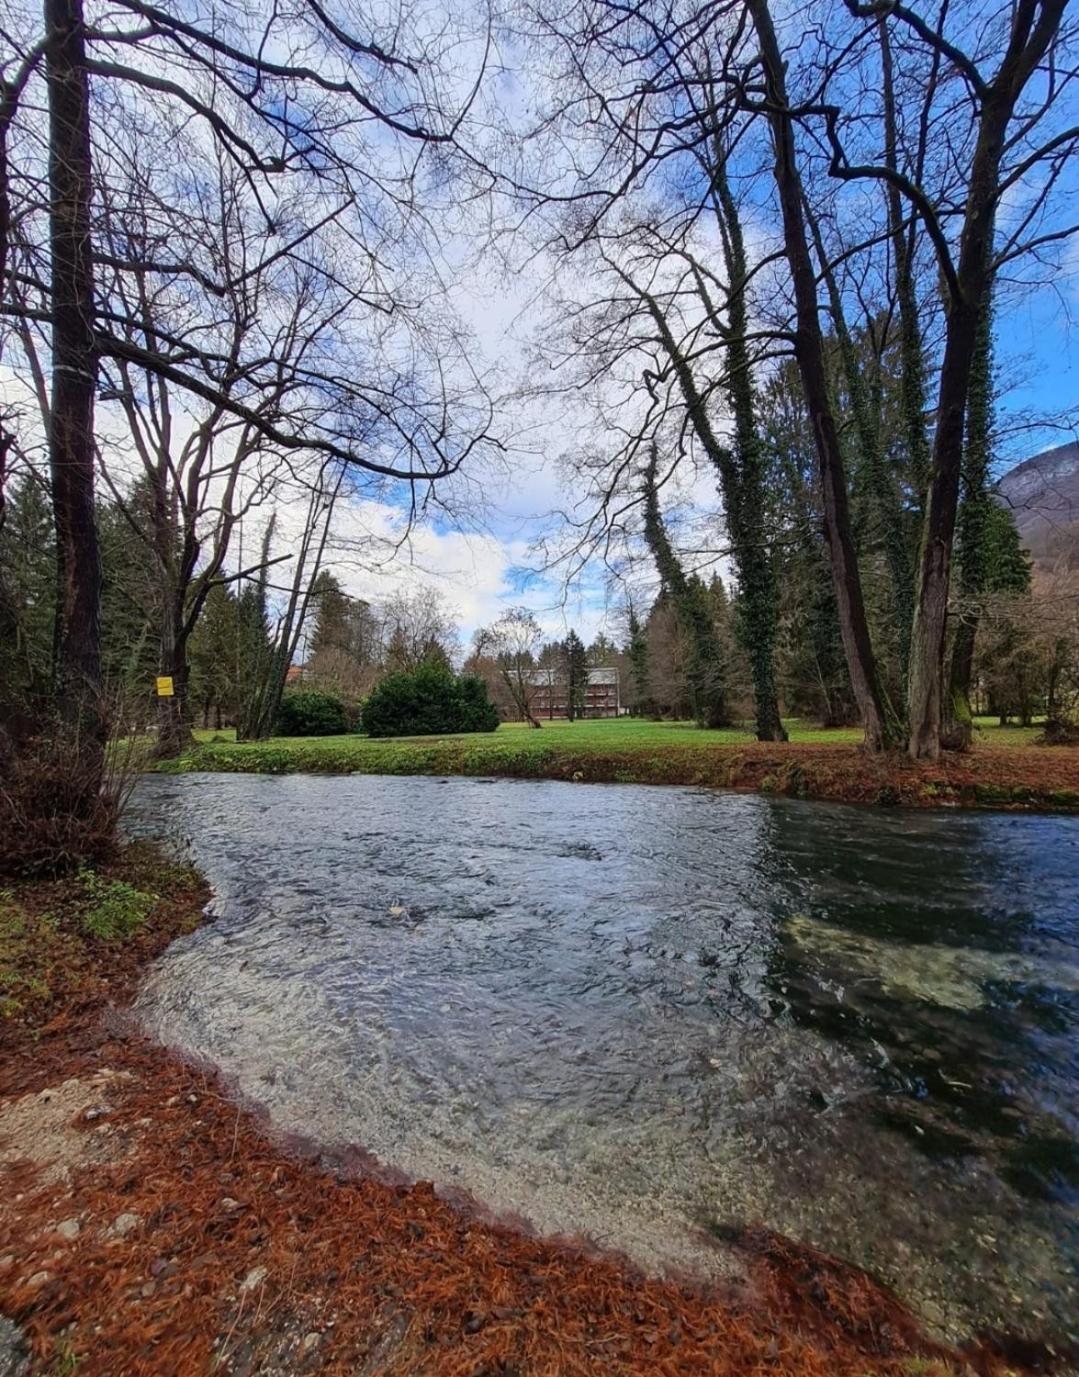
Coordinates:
[639,1013]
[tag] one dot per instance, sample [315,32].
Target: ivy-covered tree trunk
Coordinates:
[706,669]
[743,486]
[1033,30]
[77,639]
[881,730]
[883,492]
[926,687]
[973,533]
[911,355]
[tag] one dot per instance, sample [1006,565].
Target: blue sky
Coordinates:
[1038,346]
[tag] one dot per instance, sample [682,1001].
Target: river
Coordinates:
[644,1014]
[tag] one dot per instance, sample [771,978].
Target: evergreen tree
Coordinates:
[27,599]
[637,651]
[602,651]
[575,662]
[332,616]
[1007,564]
[705,672]
[254,647]
[214,684]
[130,602]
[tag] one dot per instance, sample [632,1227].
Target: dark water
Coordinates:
[638,1013]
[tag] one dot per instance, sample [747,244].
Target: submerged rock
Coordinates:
[954,977]
[14,1353]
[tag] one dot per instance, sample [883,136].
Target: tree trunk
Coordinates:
[885,497]
[1033,29]
[927,645]
[880,731]
[912,359]
[705,677]
[758,606]
[174,733]
[77,636]
[972,533]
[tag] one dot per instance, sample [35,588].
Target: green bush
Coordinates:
[308,713]
[117,909]
[429,701]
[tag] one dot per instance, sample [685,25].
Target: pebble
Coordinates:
[69,1229]
[38,1279]
[311,1341]
[227,1203]
[254,1278]
[123,1224]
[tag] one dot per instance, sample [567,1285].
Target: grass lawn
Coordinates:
[620,733]
[1004,770]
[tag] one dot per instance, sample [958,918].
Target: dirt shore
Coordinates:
[1029,778]
[151,1225]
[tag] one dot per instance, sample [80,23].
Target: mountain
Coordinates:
[1043,493]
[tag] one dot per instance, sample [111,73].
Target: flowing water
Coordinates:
[645,1014]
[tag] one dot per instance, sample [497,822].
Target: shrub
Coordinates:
[426,702]
[309,713]
[117,909]
[57,812]
[1057,732]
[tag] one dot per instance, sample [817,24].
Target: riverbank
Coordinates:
[150,1224]
[1004,770]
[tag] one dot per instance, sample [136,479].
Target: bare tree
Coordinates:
[300,105]
[706,671]
[1015,96]
[205,468]
[939,126]
[417,625]
[263,694]
[513,642]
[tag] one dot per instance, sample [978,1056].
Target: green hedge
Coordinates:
[307,713]
[426,702]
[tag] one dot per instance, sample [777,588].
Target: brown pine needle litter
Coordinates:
[149,1224]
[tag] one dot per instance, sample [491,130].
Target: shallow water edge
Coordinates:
[657,1012]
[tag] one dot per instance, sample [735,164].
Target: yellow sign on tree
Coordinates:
[164,686]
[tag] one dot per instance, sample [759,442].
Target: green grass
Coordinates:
[632,751]
[619,733]
[558,748]
[518,739]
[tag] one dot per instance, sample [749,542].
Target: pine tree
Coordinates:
[1007,564]
[705,674]
[575,660]
[214,684]
[332,615]
[27,598]
[130,603]
[254,648]
[637,650]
